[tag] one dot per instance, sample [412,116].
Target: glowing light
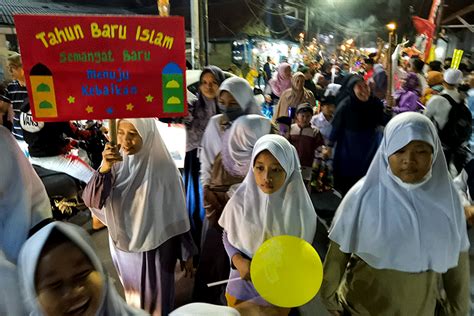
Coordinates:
[392,26]
[350,41]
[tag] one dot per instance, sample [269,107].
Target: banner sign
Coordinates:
[103,67]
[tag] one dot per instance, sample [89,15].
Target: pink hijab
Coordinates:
[280,83]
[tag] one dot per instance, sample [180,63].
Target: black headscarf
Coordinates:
[344,91]
[355,114]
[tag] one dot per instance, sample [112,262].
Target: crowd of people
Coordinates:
[398,241]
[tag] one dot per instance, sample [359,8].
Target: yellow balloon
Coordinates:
[286,271]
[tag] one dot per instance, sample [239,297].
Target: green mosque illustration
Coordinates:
[42,85]
[172,86]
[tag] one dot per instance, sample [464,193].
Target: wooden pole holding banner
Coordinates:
[389,95]
[164,7]
[164,10]
[113,131]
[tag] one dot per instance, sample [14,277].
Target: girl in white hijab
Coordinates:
[271,201]
[60,274]
[399,231]
[235,99]
[228,171]
[239,143]
[140,197]
[23,199]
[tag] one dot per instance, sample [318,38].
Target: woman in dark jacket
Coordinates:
[356,133]
[200,111]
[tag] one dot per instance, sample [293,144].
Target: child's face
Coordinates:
[303,118]
[16,72]
[67,283]
[328,110]
[269,174]
[412,162]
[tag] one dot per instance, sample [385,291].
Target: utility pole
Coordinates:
[196,35]
[203,33]
[306,21]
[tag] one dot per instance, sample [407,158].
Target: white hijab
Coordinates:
[111,302]
[204,309]
[242,92]
[406,227]
[251,216]
[23,199]
[147,204]
[10,296]
[240,140]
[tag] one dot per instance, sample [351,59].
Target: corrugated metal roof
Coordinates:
[10,7]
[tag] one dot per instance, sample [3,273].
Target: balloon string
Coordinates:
[223,282]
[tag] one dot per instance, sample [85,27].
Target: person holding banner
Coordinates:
[400,232]
[138,194]
[271,201]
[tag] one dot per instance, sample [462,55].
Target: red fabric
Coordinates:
[423,26]
[369,75]
[426,27]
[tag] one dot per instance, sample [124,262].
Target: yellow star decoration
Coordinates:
[149,98]
[71,99]
[130,107]
[89,109]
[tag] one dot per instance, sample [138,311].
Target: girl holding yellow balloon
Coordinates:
[400,232]
[271,201]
